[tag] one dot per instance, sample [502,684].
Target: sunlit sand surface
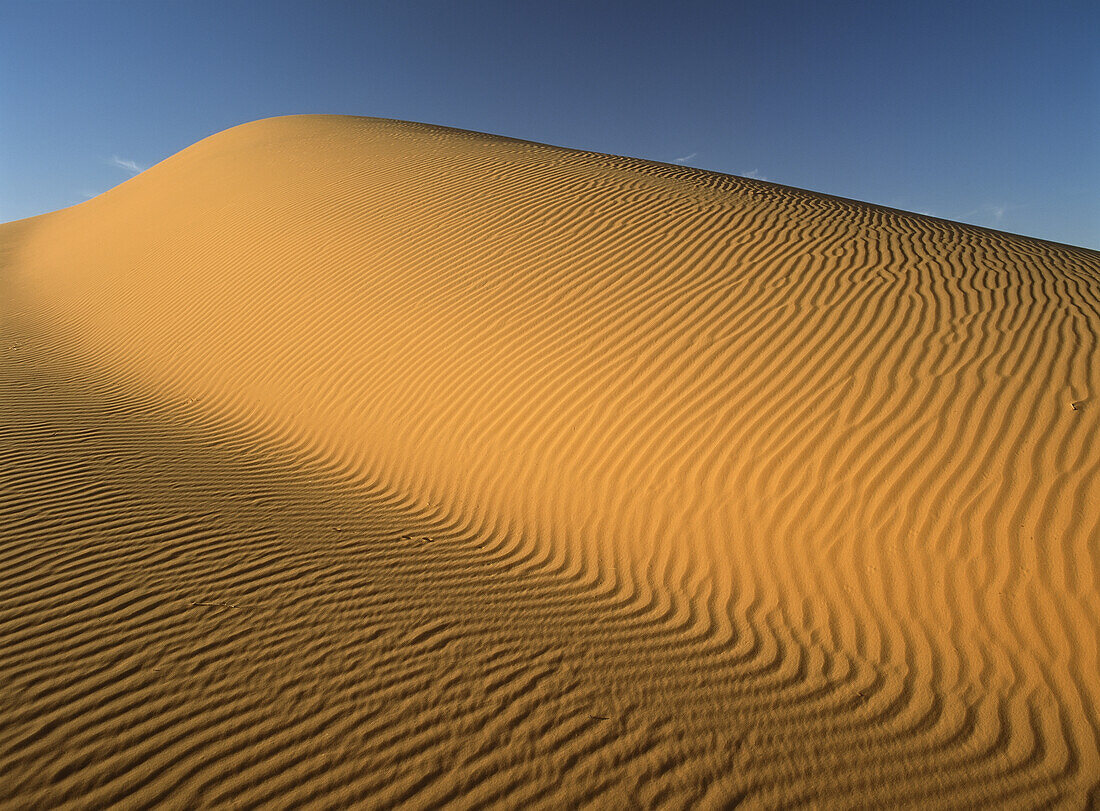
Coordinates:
[351,461]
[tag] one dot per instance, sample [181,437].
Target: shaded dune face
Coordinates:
[364,461]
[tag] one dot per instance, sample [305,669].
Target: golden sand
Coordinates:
[352,461]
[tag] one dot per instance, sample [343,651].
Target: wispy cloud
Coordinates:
[686,158]
[122,163]
[988,213]
[753,173]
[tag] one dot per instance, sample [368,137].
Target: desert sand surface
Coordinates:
[346,461]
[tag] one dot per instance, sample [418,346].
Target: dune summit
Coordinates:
[358,461]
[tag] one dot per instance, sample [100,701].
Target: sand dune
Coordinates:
[357,461]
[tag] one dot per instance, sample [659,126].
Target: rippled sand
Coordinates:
[346,460]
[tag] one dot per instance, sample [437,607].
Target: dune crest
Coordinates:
[516,473]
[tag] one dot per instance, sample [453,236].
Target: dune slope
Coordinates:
[356,461]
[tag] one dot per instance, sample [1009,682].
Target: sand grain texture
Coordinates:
[357,461]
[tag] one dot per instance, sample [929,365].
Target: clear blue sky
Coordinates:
[985,112]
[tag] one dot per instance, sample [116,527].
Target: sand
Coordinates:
[353,461]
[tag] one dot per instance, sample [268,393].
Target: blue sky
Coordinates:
[985,112]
